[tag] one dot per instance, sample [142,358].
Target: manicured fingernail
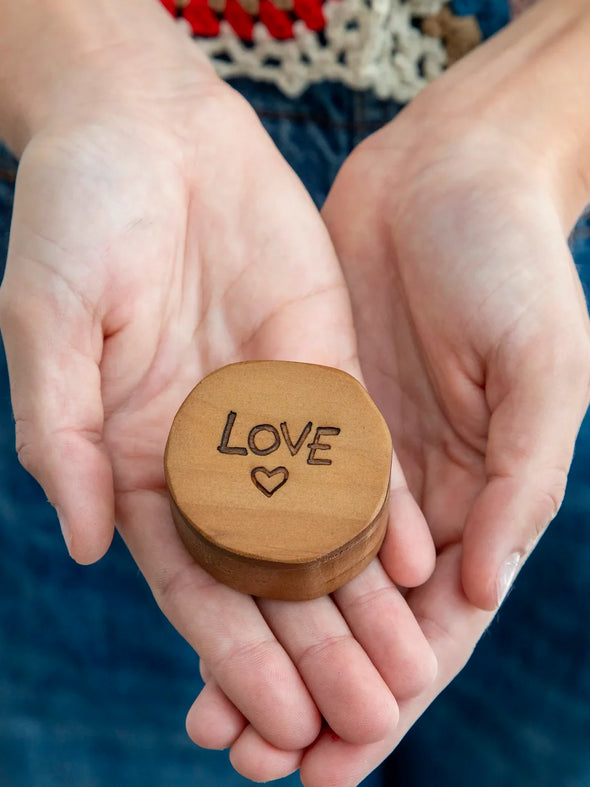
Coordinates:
[65,528]
[506,574]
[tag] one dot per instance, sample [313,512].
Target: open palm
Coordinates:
[145,252]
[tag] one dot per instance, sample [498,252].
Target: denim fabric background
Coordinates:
[94,683]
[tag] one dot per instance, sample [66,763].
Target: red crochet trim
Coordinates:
[278,22]
[201,18]
[170,6]
[311,12]
[204,21]
[241,21]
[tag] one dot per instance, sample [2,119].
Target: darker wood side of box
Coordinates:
[299,581]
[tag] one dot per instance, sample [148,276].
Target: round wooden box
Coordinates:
[278,474]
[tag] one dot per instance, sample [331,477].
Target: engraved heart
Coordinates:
[261,478]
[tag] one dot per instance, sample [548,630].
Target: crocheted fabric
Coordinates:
[394,47]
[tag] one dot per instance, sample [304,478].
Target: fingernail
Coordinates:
[506,574]
[65,528]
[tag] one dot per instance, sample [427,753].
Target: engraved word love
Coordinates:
[259,444]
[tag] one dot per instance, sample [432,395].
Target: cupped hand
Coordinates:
[473,333]
[157,235]
[474,340]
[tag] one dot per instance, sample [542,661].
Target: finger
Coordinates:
[407,553]
[538,395]
[452,626]
[386,628]
[223,626]
[53,348]
[213,721]
[336,762]
[259,761]
[205,672]
[347,689]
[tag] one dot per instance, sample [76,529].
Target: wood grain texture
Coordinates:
[278,474]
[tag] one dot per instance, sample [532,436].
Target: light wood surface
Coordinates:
[278,474]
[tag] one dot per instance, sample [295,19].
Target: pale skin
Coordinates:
[157,235]
[125,284]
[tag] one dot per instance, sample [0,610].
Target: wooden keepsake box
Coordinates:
[278,474]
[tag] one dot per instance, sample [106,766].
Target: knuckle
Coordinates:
[28,449]
[440,636]
[376,599]
[260,654]
[170,590]
[554,488]
[554,494]
[38,447]
[28,458]
[416,674]
[323,649]
[192,582]
[384,722]
[416,666]
[549,498]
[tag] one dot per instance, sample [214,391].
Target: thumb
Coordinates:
[53,348]
[538,397]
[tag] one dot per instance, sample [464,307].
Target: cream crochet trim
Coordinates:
[369,44]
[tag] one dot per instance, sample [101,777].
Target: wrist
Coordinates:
[522,94]
[63,61]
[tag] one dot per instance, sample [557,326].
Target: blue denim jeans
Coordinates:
[95,684]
